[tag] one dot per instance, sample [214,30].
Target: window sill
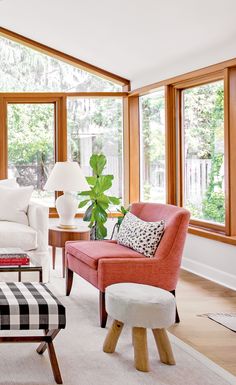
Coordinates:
[53,214]
[216,236]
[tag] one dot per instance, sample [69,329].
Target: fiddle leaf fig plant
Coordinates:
[96,197]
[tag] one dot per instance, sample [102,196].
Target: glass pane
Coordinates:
[31,146]
[96,126]
[152,147]
[24,69]
[203,135]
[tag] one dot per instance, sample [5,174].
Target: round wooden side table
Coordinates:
[58,237]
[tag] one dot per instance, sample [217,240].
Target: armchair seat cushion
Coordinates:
[14,234]
[90,252]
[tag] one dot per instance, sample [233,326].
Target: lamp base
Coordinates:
[67,227]
[66,206]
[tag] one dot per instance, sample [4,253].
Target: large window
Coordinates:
[152,147]
[23,69]
[203,151]
[31,129]
[95,125]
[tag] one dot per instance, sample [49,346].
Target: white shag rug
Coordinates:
[82,361]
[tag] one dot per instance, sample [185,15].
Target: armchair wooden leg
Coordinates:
[102,309]
[164,346]
[112,337]
[177,319]
[69,280]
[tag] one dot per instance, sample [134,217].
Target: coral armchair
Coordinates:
[103,263]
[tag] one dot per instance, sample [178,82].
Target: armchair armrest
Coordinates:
[138,270]
[38,220]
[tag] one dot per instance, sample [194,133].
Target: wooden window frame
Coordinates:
[222,71]
[125,83]
[168,139]
[61,107]
[182,86]
[60,101]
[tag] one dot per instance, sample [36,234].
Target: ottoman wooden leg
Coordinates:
[139,337]
[112,337]
[48,344]
[164,346]
[54,363]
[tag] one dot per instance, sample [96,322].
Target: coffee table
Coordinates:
[33,266]
[58,237]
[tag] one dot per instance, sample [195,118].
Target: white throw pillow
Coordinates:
[139,235]
[9,183]
[14,204]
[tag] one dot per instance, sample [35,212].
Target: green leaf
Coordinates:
[84,193]
[103,204]
[83,203]
[100,215]
[101,231]
[98,162]
[103,198]
[91,180]
[104,182]
[114,200]
[88,213]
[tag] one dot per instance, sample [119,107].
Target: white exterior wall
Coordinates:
[210,259]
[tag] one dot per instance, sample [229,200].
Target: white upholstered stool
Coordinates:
[141,307]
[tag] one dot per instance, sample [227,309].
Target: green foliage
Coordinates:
[98,201]
[214,207]
[123,211]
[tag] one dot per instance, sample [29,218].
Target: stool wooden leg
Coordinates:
[164,346]
[112,337]
[139,337]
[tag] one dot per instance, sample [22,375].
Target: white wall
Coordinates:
[192,61]
[211,259]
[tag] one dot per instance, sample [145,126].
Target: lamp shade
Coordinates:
[66,176]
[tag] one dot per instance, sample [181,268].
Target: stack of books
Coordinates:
[13,257]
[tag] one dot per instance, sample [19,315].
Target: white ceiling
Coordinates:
[142,40]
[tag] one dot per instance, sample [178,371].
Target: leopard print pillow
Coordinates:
[139,235]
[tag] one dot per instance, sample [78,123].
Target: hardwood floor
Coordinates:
[195,296]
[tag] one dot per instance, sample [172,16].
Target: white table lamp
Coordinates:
[66,177]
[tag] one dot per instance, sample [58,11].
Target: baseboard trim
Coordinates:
[221,277]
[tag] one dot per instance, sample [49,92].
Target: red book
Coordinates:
[14,261]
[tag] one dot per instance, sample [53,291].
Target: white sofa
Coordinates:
[32,238]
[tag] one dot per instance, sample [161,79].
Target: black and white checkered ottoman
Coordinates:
[32,306]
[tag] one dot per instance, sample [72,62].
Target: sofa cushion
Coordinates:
[17,235]
[140,235]
[89,252]
[14,204]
